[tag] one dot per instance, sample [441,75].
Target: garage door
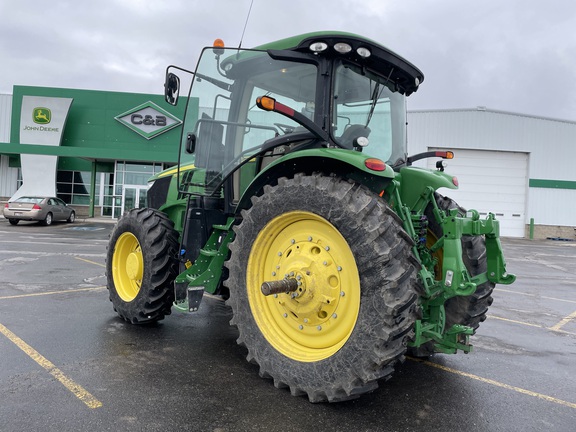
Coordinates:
[491,181]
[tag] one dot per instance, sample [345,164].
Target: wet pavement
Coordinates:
[68,363]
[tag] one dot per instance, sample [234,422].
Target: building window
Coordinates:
[73,187]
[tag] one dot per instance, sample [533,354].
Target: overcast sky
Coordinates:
[509,55]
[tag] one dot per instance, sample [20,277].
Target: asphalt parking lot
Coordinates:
[68,363]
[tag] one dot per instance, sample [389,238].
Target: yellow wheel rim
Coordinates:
[127,266]
[315,321]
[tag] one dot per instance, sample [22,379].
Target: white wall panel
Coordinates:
[491,185]
[550,146]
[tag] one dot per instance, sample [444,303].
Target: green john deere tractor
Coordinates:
[295,199]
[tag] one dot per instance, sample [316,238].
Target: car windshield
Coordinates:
[222,114]
[366,105]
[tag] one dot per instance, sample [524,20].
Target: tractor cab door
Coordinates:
[225,131]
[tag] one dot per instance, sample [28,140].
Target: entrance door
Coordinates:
[133,196]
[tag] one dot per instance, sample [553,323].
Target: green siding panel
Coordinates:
[91,130]
[552,184]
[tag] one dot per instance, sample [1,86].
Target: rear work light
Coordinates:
[342,48]
[317,47]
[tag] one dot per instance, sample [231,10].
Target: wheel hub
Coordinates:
[319,285]
[316,319]
[134,265]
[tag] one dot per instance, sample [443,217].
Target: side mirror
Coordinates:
[171,88]
[190,143]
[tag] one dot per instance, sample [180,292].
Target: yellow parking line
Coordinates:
[514,321]
[76,389]
[91,262]
[556,328]
[564,322]
[52,293]
[534,295]
[496,383]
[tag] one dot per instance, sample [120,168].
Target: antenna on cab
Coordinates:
[245,24]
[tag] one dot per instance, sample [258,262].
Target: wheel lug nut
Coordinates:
[319,328]
[327,248]
[309,238]
[301,327]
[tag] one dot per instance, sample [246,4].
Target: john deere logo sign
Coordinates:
[41,115]
[148,120]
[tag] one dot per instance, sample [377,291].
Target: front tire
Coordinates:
[141,265]
[348,323]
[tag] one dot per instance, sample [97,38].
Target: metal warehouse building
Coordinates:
[519,167]
[516,166]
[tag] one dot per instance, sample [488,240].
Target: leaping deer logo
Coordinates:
[42,115]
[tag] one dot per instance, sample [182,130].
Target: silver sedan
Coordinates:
[41,209]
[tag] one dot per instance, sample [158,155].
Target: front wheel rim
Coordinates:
[127,266]
[315,321]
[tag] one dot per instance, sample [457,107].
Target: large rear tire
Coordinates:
[141,265]
[349,321]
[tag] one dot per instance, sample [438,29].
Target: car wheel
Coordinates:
[13,221]
[71,218]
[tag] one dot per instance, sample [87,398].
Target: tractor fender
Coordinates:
[413,182]
[341,162]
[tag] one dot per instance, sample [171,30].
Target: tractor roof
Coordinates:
[411,75]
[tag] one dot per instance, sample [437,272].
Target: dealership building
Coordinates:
[96,150]
[93,149]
